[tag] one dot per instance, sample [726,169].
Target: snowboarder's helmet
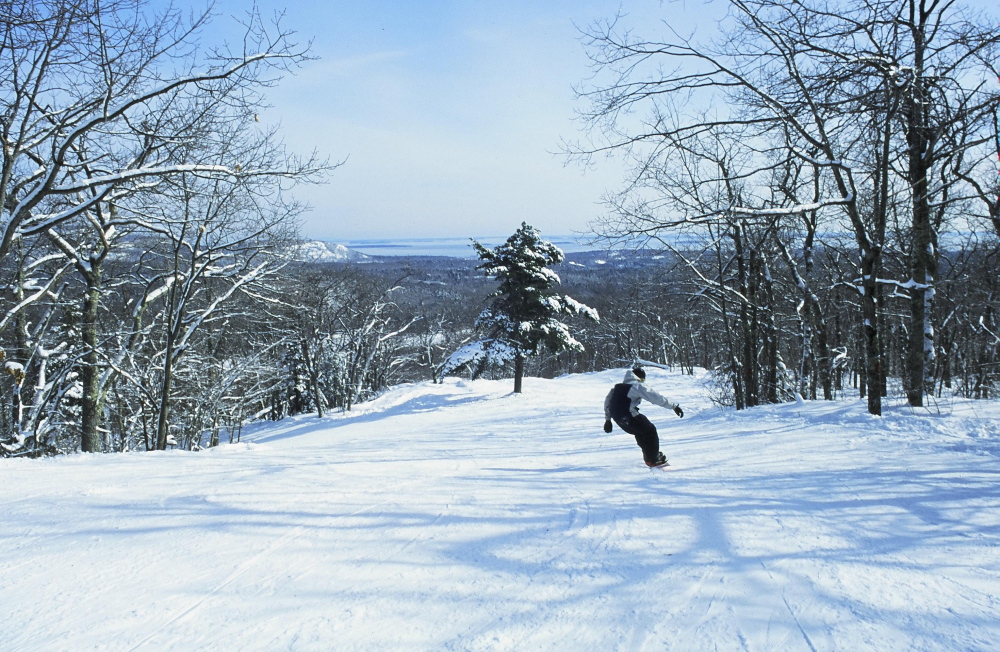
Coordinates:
[639,372]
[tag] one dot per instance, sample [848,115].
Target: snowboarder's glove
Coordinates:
[678,411]
[607,425]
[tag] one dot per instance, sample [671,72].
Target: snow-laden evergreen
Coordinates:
[459,516]
[524,314]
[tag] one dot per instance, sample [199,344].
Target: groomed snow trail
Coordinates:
[462,517]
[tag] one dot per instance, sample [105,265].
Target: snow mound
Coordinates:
[317,251]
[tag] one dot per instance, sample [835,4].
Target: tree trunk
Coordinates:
[923,265]
[90,439]
[168,373]
[823,354]
[317,396]
[312,368]
[770,335]
[869,311]
[518,371]
[21,351]
[923,256]
[805,368]
[738,395]
[748,361]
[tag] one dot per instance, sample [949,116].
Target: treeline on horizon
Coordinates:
[324,337]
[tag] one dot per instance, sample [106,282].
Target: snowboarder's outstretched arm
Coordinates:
[640,390]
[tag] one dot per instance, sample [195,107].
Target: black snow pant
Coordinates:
[645,434]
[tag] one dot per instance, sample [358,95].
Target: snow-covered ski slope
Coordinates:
[462,517]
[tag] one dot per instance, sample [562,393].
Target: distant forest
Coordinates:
[330,335]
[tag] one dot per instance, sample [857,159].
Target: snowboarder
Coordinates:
[622,405]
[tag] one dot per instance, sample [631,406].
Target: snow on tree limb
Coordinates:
[27,301]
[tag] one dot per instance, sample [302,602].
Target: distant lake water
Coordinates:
[455,247]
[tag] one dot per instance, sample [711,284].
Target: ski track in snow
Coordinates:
[462,517]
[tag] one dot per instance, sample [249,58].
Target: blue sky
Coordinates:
[449,114]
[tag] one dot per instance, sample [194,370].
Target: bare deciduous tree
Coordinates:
[846,89]
[104,105]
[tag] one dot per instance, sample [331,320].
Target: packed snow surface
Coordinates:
[463,517]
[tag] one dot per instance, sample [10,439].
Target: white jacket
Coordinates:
[636,393]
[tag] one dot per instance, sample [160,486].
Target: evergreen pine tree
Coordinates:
[522,316]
